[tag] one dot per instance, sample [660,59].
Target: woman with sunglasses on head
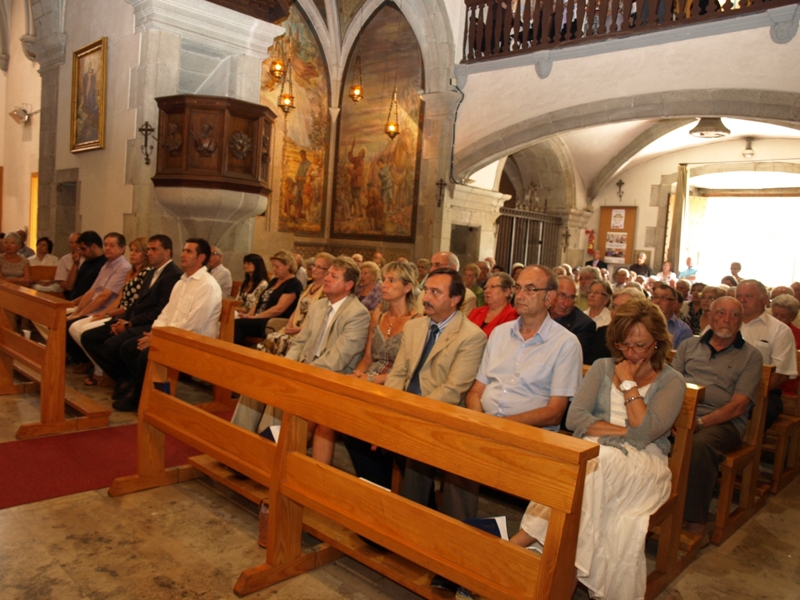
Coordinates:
[626,403]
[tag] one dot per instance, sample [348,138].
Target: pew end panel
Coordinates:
[489,450]
[44,364]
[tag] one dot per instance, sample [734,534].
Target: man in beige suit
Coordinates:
[333,336]
[438,358]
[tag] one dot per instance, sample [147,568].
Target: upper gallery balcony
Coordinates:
[500,28]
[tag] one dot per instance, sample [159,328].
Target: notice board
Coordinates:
[616,238]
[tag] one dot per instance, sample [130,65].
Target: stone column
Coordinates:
[433,234]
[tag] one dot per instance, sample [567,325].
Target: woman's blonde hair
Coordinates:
[141,245]
[286,258]
[651,317]
[407,273]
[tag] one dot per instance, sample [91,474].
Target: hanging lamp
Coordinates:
[286,98]
[392,125]
[278,67]
[357,89]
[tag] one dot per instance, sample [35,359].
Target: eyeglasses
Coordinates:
[637,348]
[529,289]
[596,292]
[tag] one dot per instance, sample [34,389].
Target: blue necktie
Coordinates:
[413,385]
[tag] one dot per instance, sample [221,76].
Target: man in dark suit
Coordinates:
[596,262]
[564,312]
[438,359]
[103,343]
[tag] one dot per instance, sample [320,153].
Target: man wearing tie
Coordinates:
[438,358]
[597,261]
[333,336]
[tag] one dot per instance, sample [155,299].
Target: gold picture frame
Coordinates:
[88,110]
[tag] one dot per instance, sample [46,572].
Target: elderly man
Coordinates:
[483,276]
[689,272]
[597,260]
[64,266]
[24,250]
[668,300]
[195,304]
[423,268]
[471,274]
[103,343]
[640,268]
[730,370]
[586,277]
[438,358]
[531,366]
[333,335]
[564,312]
[771,337]
[220,272]
[621,278]
[448,260]
[105,289]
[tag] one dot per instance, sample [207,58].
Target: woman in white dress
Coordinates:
[627,404]
[599,298]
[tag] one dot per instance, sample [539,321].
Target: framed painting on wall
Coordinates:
[88,109]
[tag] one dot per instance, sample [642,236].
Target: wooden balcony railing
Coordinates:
[498,28]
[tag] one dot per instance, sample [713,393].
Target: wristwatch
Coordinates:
[627,385]
[700,424]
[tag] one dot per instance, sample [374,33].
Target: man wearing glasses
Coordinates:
[438,358]
[666,298]
[532,366]
[564,312]
[730,370]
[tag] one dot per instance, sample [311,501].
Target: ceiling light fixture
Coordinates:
[710,128]
[748,151]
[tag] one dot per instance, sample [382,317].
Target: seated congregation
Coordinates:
[510,346]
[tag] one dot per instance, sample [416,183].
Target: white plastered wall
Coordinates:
[19,153]
[104,195]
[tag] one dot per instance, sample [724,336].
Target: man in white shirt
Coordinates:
[220,272]
[194,305]
[769,336]
[65,262]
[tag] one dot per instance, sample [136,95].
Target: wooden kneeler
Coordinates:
[42,364]
[524,461]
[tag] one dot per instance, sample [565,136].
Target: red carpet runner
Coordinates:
[60,465]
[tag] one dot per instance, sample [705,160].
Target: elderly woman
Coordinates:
[666,275]
[278,300]
[277,342]
[626,403]
[14,267]
[693,310]
[498,308]
[134,281]
[399,294]
[254,284]
[44,258]
[599,299]
[369,291]
[785,308]
[709,294]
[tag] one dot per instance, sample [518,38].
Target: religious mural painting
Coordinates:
[376,177]
[301,189]
[348,10]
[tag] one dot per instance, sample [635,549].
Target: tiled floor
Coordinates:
[188,541]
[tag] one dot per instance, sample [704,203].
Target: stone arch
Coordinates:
[548,165]
[757,105]
[767,166]
[428,21]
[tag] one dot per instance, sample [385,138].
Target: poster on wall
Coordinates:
[302,183]
[88,107]
[618,218]
[616,246]
[376,177]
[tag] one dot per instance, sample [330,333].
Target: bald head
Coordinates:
[444,260]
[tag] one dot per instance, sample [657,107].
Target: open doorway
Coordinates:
[760,232]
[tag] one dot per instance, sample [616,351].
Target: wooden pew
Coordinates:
[222,399]
[44,364]
[783,441]
[669,517]
[520,460]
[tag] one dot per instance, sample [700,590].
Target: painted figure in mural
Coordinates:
[90,105]
[300,183]
[287,195]
[375,206]
[356,178]
[311,185]
[387,185]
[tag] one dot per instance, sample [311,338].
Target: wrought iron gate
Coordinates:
[526,237]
